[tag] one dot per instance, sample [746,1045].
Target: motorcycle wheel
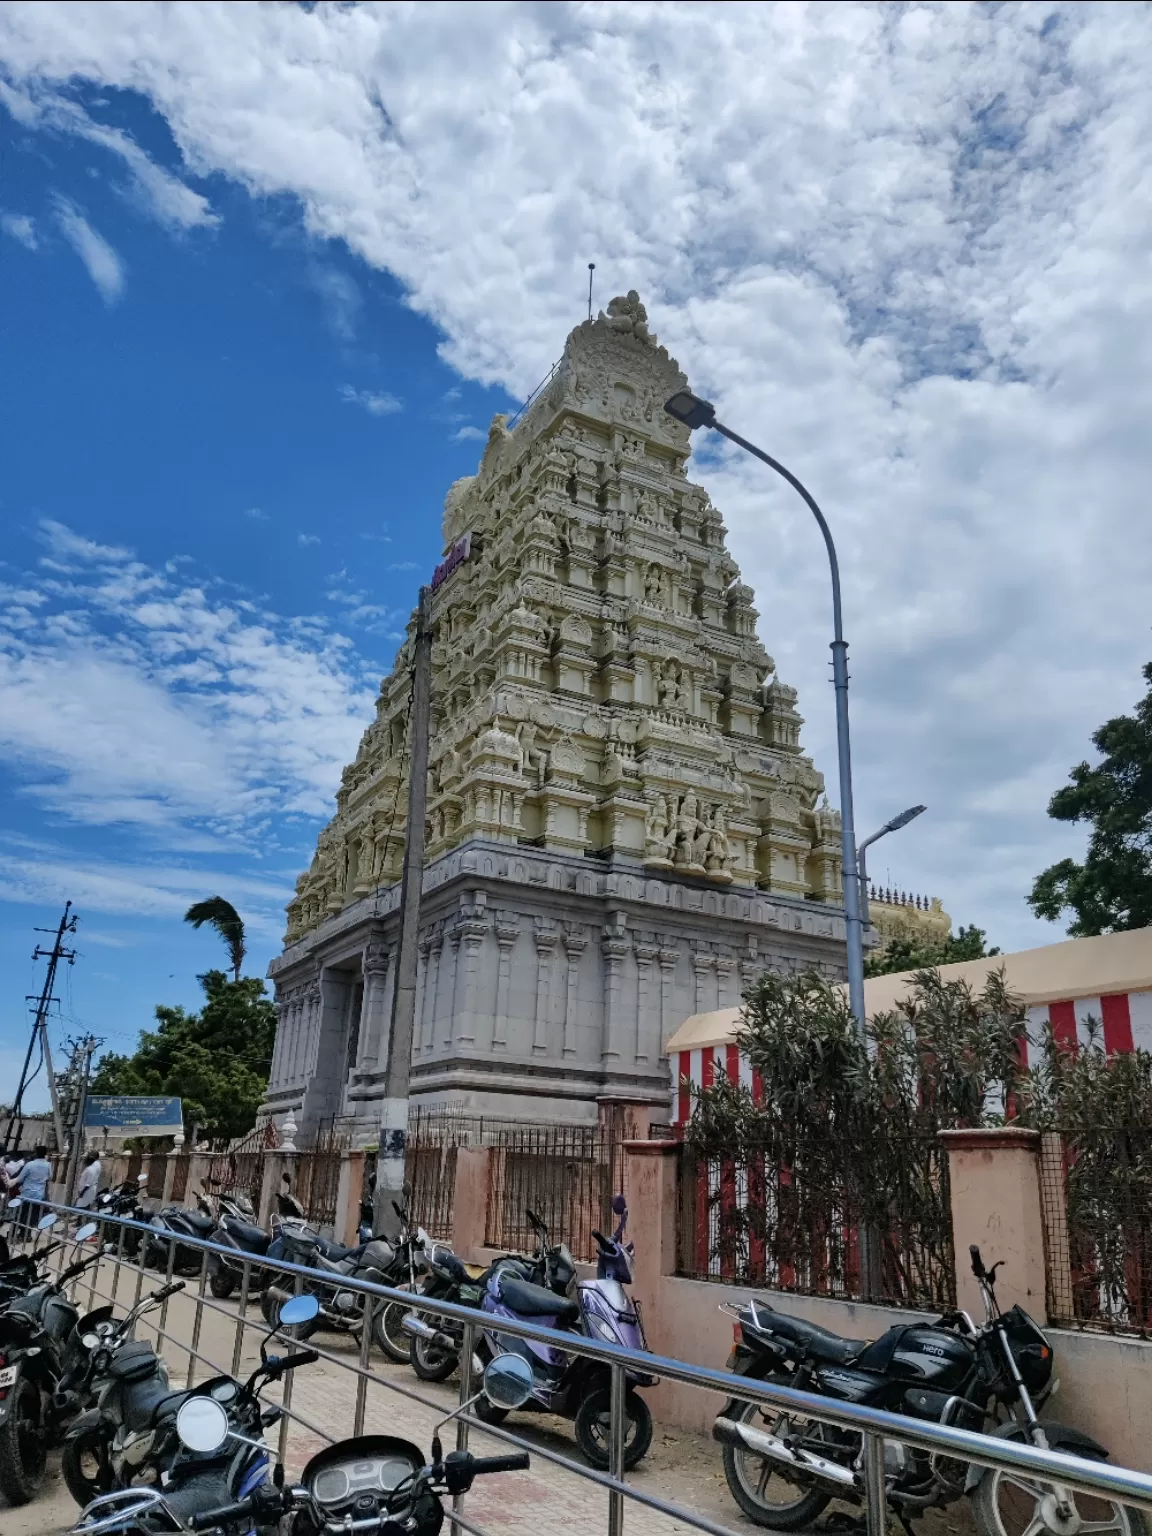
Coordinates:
[433,1364]
[222,1283]
[22,1445]
[1006,1504]
[761,1492]
[593,1428]
[388,1331]
[85,1468]
[488,1412]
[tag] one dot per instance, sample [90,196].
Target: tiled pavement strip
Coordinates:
[682,1467]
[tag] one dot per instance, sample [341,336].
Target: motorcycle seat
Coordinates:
[534,1301]
[149,1401]
[254,1239]
[818,1341]
[452,1267]
[198,1221]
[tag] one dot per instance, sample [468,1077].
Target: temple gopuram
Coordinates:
[622,826]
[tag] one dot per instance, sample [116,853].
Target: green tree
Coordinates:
[228,923]
[1112,889]
[919,955]
[216,1060]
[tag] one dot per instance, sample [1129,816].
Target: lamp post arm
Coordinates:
[854,931]
[786,474]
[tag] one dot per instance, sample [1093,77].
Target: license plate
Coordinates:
[8,1375]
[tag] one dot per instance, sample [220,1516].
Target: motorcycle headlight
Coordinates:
[601,1329]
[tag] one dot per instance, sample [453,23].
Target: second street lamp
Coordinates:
[694,412]
[889,826]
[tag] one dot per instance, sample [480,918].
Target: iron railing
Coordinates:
[566,1174]
[1096,1198]
[788,1216]
[1124,1485]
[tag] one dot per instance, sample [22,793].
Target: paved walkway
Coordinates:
[681,1468]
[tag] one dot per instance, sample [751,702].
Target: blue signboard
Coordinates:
[133,1116]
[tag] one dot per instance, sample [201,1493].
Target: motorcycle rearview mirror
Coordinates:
[298,1309]
[13,1205]
[977,1261]
[141,1178]
[202,1425]
[86,1231]
[619,1205]
[508,1381]
[46,1223]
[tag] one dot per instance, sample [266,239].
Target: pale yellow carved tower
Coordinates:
[608,728]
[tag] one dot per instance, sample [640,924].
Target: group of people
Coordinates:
[30,1177]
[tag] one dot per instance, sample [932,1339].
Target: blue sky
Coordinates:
[267,272]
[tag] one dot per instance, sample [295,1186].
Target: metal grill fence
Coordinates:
[567,1175]
[793,1223]
[239,1169]
[317,1180]
[1096,1198]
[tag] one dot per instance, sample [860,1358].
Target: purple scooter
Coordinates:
[568,1385]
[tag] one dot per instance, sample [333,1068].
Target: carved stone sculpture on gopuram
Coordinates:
[622,828]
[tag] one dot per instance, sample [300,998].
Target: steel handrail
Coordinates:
[1126,1485]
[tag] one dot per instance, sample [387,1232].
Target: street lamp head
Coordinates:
[690,409]
[905,817]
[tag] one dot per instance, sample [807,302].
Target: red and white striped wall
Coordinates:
[1124,1022]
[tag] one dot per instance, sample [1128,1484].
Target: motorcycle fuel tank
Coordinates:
[932,1357]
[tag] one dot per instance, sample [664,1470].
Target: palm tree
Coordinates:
[228,923]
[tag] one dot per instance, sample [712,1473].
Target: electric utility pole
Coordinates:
[82,1051]
[394,1111]
[54,956]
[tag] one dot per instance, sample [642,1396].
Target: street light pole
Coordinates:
[694,412]
[889,826]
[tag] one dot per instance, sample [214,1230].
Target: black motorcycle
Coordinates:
[36,1331]
[247,1243]
[372,1485]
[783,1469]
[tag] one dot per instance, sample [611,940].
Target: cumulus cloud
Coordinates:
[903,246]
[468,435]
[140,698]
[375,402]
[104,266]
[341,300]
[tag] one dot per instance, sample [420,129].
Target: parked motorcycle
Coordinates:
[114,1390]
[36,1329]
[572,1385]
[342,1308]
[434,1349]
[179,1472]
[783,1469]
[371,1484]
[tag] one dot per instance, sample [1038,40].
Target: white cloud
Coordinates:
[143,699]
[21,228]
[104,266]
[469,435]
[306,539]
[905,246]
[257,514]
[375,402]
[161,194]
[341,300]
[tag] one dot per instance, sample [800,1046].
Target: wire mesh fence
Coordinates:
[239,1169]
[793,1222]
[1096,1198]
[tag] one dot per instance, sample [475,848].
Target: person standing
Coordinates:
[88,1186]
[31,1184]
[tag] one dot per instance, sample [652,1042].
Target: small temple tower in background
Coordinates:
[622,826]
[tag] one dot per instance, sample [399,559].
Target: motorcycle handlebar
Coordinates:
[78,1268]
[222,1515]
[167,1290]
[519,1462]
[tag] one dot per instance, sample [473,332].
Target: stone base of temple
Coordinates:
[547,981]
